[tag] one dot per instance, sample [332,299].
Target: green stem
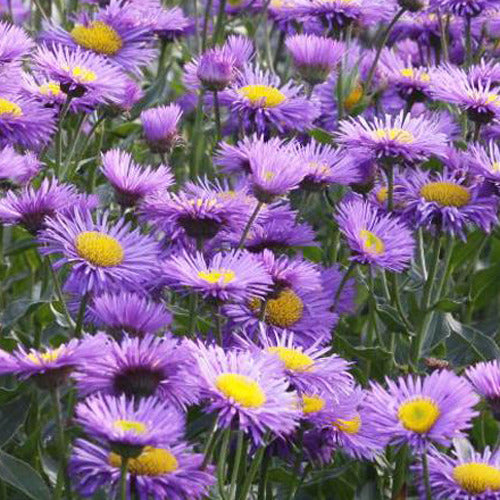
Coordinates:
[421,253]
[428,492]
[263,476]
[219,26]
[221,462]
[123,478]
[90,134]
[60,122]
[468,42]
[218,324]
[208,11]
[249,224]
[162,59]
[251,473]
[193,304]
[55,395]
[196,26]
[397,302]
[218,128]
[446,270]
[236,464]
[345,278]
[67,163]
[444,37]
[60,294]
[198,138]
[389,172]
[210,445]
[81,316]
[383,41]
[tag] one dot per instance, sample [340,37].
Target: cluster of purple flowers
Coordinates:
[207,270]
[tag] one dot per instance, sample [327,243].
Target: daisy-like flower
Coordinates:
[81,73]
[420,410]
[172,24]
[345,422]
[485,377]
[314,57]
[17,168]
[274,175]
[464,8]
[332,278]
[406,139]
[25,122]
[308,370]
[466,475]
[233,276]
[247,390]
[160,127]
[128,312]
[131,181]
[262,104]
[199,211]
[326,165]
[102,255]
[480,100]
[14,43]
[142,367]
[375,238]
[32,207]
[485,160]
[173,472]
[109,34]
[337,14]
[216,69]
[127,425]
[51,367]
[411,83]
[447,202]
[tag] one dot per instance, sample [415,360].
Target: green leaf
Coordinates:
[12,416]
[17,309]
[321,135]
[438,330]
[463,253]
[448,305]
[23,477]
[390,317]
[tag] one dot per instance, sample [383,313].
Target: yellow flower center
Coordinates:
[418,415]
[447,194]
[496,166]
[477,478]
[99,37]
[47,357]
[294,359]
[242,389]
[394,134]
[354,97]
[312,404]
[283,311]
[493,99]
[130,426]
[222,276]
[208,203]
[411,73]
[99,249]
[263,95]
[50,88]
[348,426]
[10,108]
[382,194]
[371,242]
[151,462]
[83,75]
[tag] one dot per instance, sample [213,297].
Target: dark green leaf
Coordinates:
[12,417]
[23,477]
[16,310]
[321,135]
[448,305]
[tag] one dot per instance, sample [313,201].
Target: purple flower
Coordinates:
[464,8]
[246,390]
[314,57]
[142,367]
[401,138]
[420,410]
[128,312]
[14,43]
[485,377]
[32,207]
[331,279]
[173,472]
[466,475]
[110,34]
[234,276]
[129,424]
[375,238]
[102,255]
[172,24]
[81,74]
[50,367]
[326,165]
[160,127]
[17,168]
[131,181]
[216,69]
[447,202]
[262,104]
[485,160]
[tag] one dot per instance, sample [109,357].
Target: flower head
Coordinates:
[160,127]
[485,377]
[14,43]
[17,168]
[102,255]
[420,410]
[374,237]
[485,160]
